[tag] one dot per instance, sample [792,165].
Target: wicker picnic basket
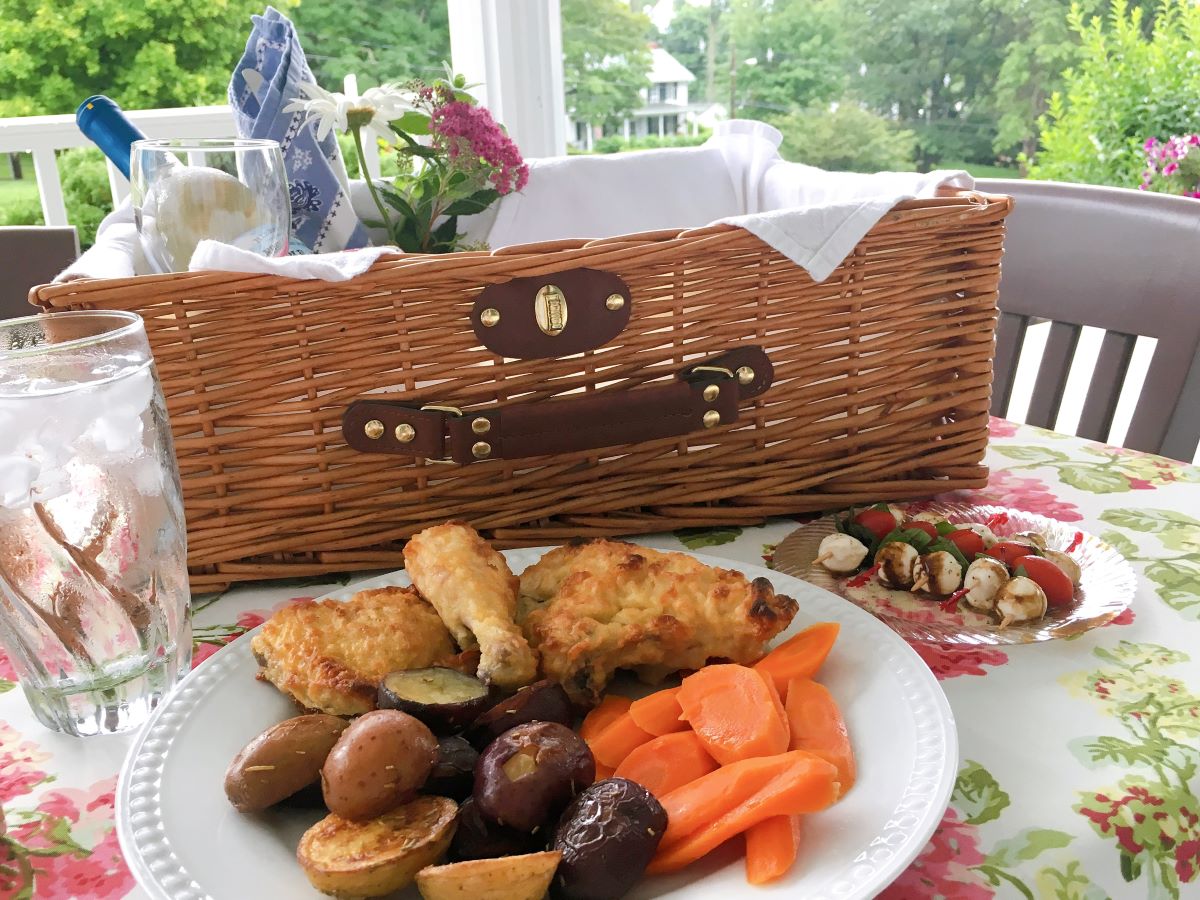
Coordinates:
[877,386]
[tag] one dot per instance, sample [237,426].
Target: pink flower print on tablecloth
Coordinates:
[7,672]
[950,662]
[1002,428]
[944,868]
[79,856]
[20,771]
[1006,488]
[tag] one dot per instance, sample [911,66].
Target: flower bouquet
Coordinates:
[455,160]
[1173,165]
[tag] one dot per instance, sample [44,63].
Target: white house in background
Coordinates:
[665,108]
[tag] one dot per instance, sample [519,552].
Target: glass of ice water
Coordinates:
[233,191]
[94,603]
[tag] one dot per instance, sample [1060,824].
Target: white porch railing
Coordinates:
[43,136]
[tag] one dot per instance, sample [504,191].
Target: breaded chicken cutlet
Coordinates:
[470,585]
[593,607]
[330,656]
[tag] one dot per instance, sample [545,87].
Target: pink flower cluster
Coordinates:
[473,142]
[946,867]
[1168,160]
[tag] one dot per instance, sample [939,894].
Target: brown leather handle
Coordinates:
[704,394]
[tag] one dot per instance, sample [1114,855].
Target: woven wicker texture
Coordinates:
[882,383]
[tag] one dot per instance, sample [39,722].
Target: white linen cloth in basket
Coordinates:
[811,216]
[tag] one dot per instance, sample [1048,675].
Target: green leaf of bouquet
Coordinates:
[412,122]
[978,795]
[1026,845]
[447,231]
[1153,521]
[696,538]
[1094,480]
[1120,543]
[476,203]
[1040,455]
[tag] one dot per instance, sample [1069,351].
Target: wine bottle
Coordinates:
[103,123]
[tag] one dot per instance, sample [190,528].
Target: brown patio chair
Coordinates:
[30,256]
[1121,260]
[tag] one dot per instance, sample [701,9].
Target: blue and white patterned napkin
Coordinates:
[265,80]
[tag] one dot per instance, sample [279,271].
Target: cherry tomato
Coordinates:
[1050,578]
[927,527]
[878,521]
[1008,552]
[966,541]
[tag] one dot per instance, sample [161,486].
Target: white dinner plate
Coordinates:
[184,841]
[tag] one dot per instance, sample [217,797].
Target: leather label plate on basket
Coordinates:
[551,315]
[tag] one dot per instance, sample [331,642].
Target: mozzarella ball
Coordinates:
[938,573]
[983,581]
[841,553]
[989,539]
[1021,600]
[1066,563]
[897,564]
[1030,538]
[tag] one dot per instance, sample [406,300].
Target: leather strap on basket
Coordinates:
[703,395]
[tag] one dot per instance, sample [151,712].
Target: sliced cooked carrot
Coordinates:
[611,708]
[800,656]
[659,713]
[775,698]
[803,784]
[667,762]
[697,804]
[617,741]
[771,848]
[732,711]
[817,726]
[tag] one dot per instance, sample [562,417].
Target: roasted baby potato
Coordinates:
[444,699]
[379,762]
[607,836]
[508,878]
[542,701]
[373,858]
[478,838]
[453,774]
[527,775]
[284,759]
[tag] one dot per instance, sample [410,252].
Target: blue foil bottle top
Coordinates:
[103,123]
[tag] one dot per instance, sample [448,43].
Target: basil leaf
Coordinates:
[945,528]
[949,547]
[1020,572]
[914,537]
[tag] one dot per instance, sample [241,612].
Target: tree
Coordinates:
[782,54]
[606,59]
[932,64]
[698,37]
[1126,87]
[55,53]
[848,138]
[379,42]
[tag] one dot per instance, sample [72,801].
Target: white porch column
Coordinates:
[660,125]
[514,49]
[625,129]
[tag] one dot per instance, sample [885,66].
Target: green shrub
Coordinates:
[848,138]
[1126,87]
[22,211]
[615,143]
[84,176]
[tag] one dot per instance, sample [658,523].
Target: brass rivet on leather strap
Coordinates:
[711,393]
[550,309]
[489,317]
[373,429]
[481,449]
[712,418]
[745,375]
[614,301]
[481,426]
[405,433]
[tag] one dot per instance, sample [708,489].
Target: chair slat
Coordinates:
[1163,394]
[1010,337]
[1183,433]
[1052,374]
[1105,388]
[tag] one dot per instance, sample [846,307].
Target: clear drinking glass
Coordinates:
[232,191]
[94,602]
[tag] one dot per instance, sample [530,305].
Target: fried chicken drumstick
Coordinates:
[597,606]
[475,593]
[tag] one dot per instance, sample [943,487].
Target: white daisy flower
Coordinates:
[324,107]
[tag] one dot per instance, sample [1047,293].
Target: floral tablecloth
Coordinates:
[1079,758]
